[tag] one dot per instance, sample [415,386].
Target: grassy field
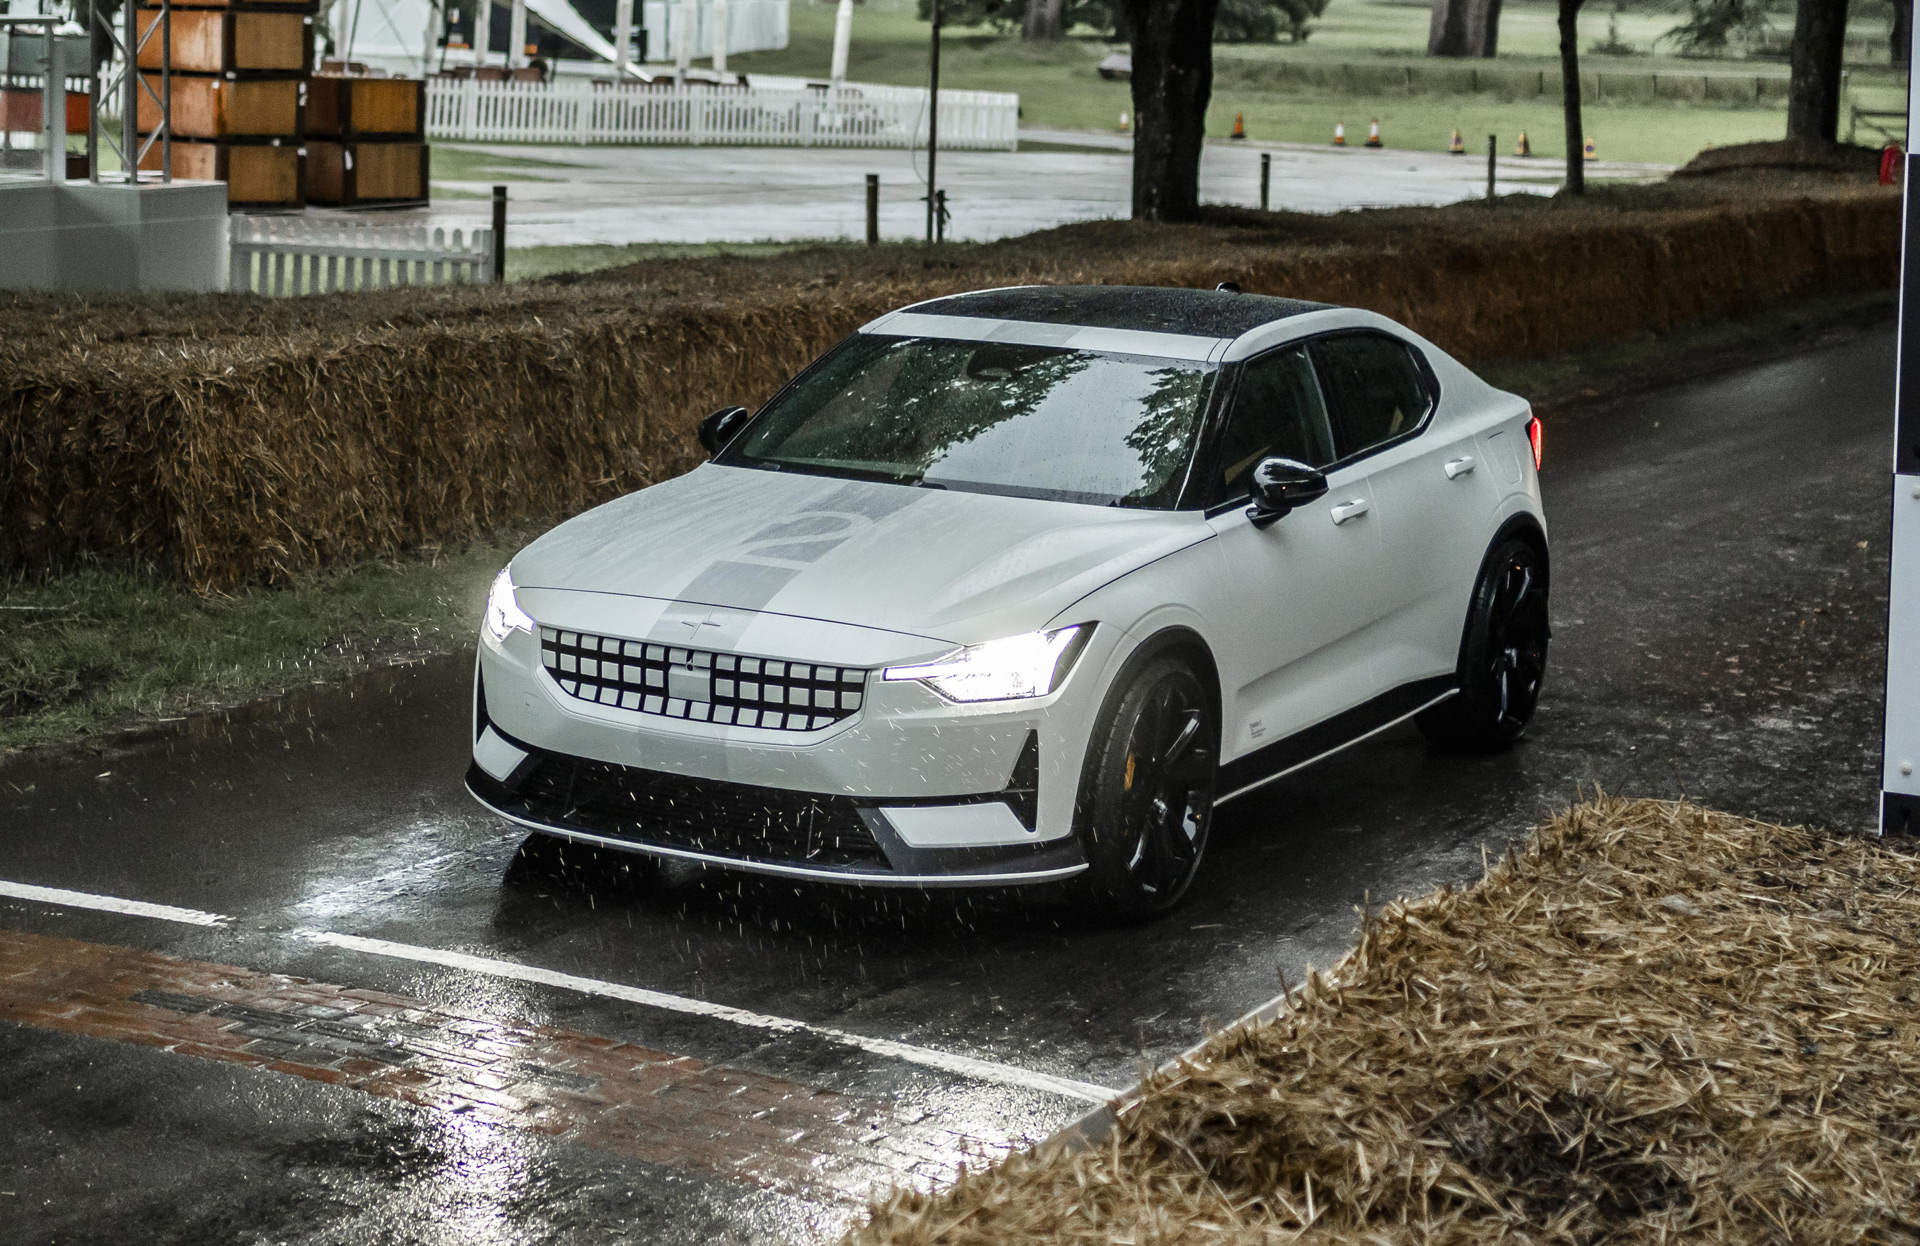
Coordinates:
[1058,84]
[111,646]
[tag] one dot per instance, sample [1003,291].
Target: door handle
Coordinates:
[1350,510]
[1457,468]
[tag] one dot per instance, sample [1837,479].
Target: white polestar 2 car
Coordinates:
[1019,587]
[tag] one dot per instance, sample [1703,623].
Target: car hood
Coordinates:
[952,566]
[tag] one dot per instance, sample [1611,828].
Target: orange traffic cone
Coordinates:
[1240,126]
[1521,147]
[1339,134]
[1457,145]
[1373,133]
[1590,151]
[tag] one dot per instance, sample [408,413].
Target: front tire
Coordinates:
[1503,657]
[1146,799]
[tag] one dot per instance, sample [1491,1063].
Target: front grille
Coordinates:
[700,685]
[702,815]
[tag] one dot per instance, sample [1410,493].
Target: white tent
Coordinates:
[402,36]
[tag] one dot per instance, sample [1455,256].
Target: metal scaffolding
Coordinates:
[121,76]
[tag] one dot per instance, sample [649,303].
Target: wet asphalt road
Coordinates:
[1718,600]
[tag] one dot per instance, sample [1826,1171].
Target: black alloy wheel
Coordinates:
[1503,657]
[1147,797]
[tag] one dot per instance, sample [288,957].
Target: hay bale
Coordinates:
[235,439]
[1795,155]
[1653,1023]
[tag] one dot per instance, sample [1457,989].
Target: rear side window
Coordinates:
[1276,411]
[1375,390]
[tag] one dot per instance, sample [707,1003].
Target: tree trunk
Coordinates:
[1900,43]
[1813,90]
[1464,28]
[1043,20]
[1570,96]
[1172,43]
[1483,29]
[1447,32]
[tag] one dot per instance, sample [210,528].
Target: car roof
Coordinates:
[1150,309]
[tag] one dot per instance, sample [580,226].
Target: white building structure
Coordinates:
[403,36]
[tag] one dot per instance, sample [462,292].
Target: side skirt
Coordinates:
[1324,739]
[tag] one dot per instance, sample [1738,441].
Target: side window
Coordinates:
[1276,411]
[1375,391]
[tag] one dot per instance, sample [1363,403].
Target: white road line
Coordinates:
[110,904]
[946,1062]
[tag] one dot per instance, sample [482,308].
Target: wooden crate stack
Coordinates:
[239,70]
[366,142]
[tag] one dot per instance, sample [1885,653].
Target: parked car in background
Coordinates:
[1019,587]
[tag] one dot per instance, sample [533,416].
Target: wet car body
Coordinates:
[744,666]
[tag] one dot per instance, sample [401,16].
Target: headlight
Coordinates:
[504,614]
[1001,670]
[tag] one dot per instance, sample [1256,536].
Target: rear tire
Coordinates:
[1146,797]
[1503,657]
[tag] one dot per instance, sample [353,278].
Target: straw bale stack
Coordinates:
[236,439]
[1653,1024]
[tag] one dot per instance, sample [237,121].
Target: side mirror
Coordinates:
[719,428]
[1279,485]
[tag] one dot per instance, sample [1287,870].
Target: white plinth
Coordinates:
[77,236]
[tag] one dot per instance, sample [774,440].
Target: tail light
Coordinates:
[1533,437]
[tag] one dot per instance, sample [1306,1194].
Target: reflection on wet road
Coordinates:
[1720,563]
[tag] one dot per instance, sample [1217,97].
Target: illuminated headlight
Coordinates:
[504,615]
[1001,670]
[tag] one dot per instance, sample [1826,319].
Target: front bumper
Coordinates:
[931,793]
[842,839]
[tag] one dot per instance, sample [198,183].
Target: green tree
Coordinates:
[1264,21]
[1713,24]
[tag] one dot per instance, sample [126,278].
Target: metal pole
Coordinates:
[1491,141]
[939,216]
[873,209]
[130,92]
[933,125]
[53,110]
[516,33]
[166,91]
[94,86]
[499,233]
[1266,177]
[1900,741]
[842,42]
[622,37]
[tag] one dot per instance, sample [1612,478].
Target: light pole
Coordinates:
[933,124]
[1900,752]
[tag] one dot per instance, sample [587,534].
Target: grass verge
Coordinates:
[112,646]
[1653,1023]
[109,647]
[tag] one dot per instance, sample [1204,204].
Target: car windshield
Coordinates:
[988,417]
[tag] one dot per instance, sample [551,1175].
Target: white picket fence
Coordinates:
[290,255]
[788,114]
